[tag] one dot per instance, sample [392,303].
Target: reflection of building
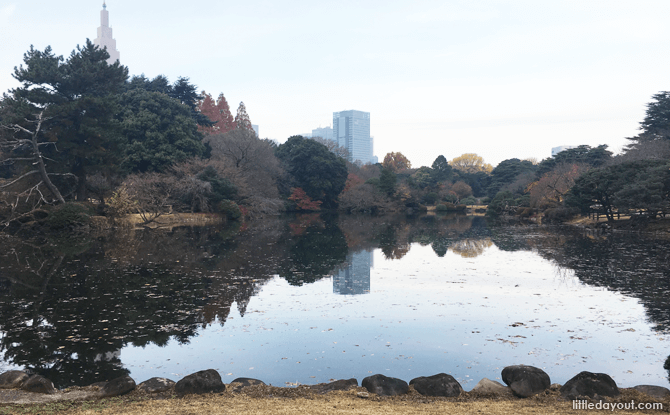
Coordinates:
[355,277]
[351,130]
[105,36]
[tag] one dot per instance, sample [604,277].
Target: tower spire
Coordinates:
[105,38]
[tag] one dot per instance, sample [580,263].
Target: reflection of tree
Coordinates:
[314,254]
[471,248]
[666,366]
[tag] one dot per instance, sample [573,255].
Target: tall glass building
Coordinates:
[351,130]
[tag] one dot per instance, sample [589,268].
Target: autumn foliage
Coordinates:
[552,187]
[302,201]
[396,162]
[218,111]
[470,163]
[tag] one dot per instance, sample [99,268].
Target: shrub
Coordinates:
[469,201]
[230,209]
[560,214]
[69,215]
[430,198]
[450,198]
[442,208]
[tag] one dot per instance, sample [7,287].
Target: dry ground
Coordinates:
[271,400]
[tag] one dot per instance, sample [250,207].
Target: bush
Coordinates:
[560,214]
[430,198]
[442,207]
[450,198]
[469,201]
[69,215]
[230,209]
[485,200]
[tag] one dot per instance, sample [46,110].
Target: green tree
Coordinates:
[441,169]
[506,173]
[312,167]
[76,99]
[592,156]
[387,181]
[656,123]
[160,131]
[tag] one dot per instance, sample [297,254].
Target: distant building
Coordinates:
[355,277]
[558,149]
[351,130]
[105,38]
[325,132]
[256,129]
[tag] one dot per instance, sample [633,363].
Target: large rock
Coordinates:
[589,384]
[384,385]
[156,385]
[13,379]
[204,381]
[437,385]
[118,386]
[525,381]
[491,387]
[240,383]
[655,391]
[338,385]
[38,384]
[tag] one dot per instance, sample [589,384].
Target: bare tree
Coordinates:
[333,147]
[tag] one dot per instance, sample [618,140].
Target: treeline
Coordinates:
[79,129]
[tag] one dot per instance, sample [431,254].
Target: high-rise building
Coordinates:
[558,149]
[105,36]
[351,130]
[325,132]
[354,277]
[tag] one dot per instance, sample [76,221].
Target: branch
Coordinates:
[14,181]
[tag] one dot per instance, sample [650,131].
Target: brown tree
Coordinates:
[242,120]
[396,162]
[218,112]
[470,163]
[551,189]
[333,147]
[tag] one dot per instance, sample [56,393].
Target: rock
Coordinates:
[655,391]
[437,385]
[204,381]
[242,383]
[38,384]
[98,385]
[525,381]
[156,385]
[118,386]
[13,379]
[589,384]
[487,386]
[555,386]
[338,385]
[384,385]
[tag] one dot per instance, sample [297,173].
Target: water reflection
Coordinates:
[354,278]
[68,307]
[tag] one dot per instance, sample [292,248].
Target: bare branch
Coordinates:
[16,180]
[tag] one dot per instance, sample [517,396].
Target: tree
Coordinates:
[302,201]
[76,99]
[470,163]
[592,156]
[396,162]
[313,168]
[441,169]
[656,123]
[242,118]
[506,173]
[160,131]
[387,181]
[551,189]
[461,190]
[218,112]
[333,147]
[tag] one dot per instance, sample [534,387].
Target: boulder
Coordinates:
[13,379]
[204,381]
[38,384]
[156,385]
[655,391]
[384,385]
[338,385]
[525,381]
[241,383]
[118,386]
[589,384]
[437,385]
[490,387]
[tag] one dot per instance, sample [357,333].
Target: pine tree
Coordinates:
[242,118]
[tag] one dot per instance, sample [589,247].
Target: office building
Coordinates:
[325,132]
[351,130]
[105,38]
[558,149]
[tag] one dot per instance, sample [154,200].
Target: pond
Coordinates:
[311,298]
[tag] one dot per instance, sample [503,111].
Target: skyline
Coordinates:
[498,78]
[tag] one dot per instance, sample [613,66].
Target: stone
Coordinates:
[490,387]
[555,387]
[204,381]
[384,385]
[525,381]
[38,384]
[437,385]
[156,385]
[242,383]
[589,384]
[655,391]
[338,385]
[13,379]
[118,386]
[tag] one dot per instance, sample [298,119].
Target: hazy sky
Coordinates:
[499,78]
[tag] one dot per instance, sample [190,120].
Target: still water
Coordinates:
[311,298]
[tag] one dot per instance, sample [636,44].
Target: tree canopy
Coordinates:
[396,162]
[470,163]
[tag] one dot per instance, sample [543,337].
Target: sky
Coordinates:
[500,78]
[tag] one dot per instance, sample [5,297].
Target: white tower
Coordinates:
[104,38]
